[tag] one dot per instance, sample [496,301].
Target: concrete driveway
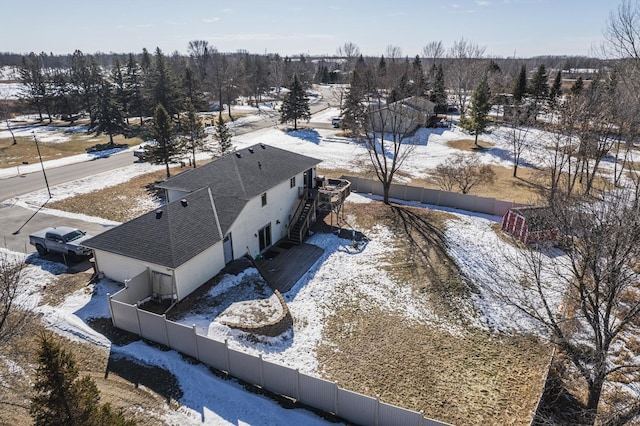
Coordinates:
[16,223]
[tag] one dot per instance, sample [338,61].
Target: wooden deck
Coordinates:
[285,263]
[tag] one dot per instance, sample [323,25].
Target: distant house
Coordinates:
[529,224]
[403,116]
[237,205]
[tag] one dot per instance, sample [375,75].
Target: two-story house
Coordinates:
[237,205]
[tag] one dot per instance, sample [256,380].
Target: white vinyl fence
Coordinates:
[312,391]
[435,197]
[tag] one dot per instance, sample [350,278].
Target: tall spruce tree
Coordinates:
[108,117]
[354,109]
[223,136]
[438,91]
[539,84]
[295,105]
[192,131]
[166,147]
[519,88]
[477,119]
[556,88]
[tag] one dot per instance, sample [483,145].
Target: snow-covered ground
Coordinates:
[342,272]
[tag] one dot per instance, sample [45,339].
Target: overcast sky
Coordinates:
[523,28]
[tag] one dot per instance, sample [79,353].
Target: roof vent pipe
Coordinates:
[263,146]
[238,155]
[251,150]
[184,202]
[158,214]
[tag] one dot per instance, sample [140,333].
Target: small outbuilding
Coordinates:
[530,224]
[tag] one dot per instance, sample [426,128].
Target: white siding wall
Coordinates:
[198,270]
[120,268]
[281,203]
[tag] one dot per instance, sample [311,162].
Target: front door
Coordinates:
[227,246]
[264,235]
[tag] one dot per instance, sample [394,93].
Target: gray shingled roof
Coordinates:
[238,177]
[168,236]
[245,173]
[180,233]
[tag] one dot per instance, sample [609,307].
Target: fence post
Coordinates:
[336,401]
[226,345]
[113,318]
[195,336]
[420,420]
[261,371]
[377,414]
[297,384]
[138,318]
[166,330]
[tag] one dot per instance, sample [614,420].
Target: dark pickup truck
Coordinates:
[61,239]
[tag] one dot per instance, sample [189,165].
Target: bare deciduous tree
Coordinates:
[433,50]
[4,109]
[386,127]
[465,70]
[519,121]
[586,300]
[464,172]
[12,316]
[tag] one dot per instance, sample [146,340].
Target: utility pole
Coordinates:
[42,164]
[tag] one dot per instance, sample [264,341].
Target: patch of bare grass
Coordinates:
[120,203]
[61,286]
[478,378]
[464,377]
[469,144]
[25,150]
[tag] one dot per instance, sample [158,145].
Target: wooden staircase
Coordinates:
[299,226]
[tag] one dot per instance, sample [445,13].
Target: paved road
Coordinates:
[14,186]
[16,223]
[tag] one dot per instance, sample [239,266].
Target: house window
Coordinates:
[292,182]
[264,199]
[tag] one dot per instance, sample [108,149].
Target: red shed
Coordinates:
[529,224]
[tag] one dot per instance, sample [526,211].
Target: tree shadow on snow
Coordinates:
[309,135]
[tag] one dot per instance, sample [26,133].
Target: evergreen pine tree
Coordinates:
[222,135]
[556,88]
[438,91]
[63,399]
[477,119]
[133,81]
[577,87]
[120,86]
[191,91]
[419,80]
[519,88]
[354,109]
[192,131]
[166,148]
[539,84]
[162,86]
[108,117]
[295,105]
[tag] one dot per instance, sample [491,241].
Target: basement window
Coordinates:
[264,199]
